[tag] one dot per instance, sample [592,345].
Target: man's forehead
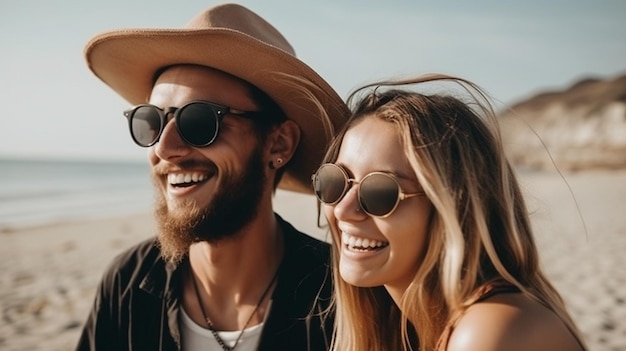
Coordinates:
[181,84]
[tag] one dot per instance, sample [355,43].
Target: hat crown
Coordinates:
[240,19]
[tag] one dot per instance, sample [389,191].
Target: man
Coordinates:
[230,114]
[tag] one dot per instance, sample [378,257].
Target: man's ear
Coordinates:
[283,143]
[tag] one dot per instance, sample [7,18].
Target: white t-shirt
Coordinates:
[197,338]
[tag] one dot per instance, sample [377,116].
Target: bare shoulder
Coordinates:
[511,322]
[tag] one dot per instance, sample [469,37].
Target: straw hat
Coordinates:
[235,40]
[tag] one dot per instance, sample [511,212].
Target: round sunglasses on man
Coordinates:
[197,123]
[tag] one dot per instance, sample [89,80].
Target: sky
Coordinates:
[53,107]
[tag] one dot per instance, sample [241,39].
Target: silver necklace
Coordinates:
[209,324]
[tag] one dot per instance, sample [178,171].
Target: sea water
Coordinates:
[42,192]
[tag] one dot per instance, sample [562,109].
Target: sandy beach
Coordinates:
[49,273]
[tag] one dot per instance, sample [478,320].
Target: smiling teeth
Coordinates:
[354,242]
[185,178]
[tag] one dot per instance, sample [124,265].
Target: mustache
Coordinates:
[168,167]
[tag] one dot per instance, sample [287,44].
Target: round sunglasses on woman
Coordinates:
[379,193]
[197,123]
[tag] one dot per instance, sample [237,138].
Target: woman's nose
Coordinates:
[349,207]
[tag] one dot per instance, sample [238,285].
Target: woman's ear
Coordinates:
[283,143]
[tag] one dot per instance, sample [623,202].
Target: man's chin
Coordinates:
[178,207]
[176,232]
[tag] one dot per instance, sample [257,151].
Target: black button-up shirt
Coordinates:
[138,300]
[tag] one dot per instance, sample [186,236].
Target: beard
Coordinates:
[234,205]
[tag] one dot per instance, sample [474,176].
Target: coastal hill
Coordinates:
[583,127]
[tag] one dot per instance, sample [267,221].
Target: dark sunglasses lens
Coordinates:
[378,194]
[145,125]
[197,124]
[329,184]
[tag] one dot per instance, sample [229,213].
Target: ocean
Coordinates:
[43,192]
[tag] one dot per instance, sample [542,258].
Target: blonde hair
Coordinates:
[479,230]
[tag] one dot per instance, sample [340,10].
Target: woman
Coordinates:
[433,247]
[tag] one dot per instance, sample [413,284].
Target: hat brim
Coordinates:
[127,61]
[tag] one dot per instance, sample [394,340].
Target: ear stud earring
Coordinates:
[279,161]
